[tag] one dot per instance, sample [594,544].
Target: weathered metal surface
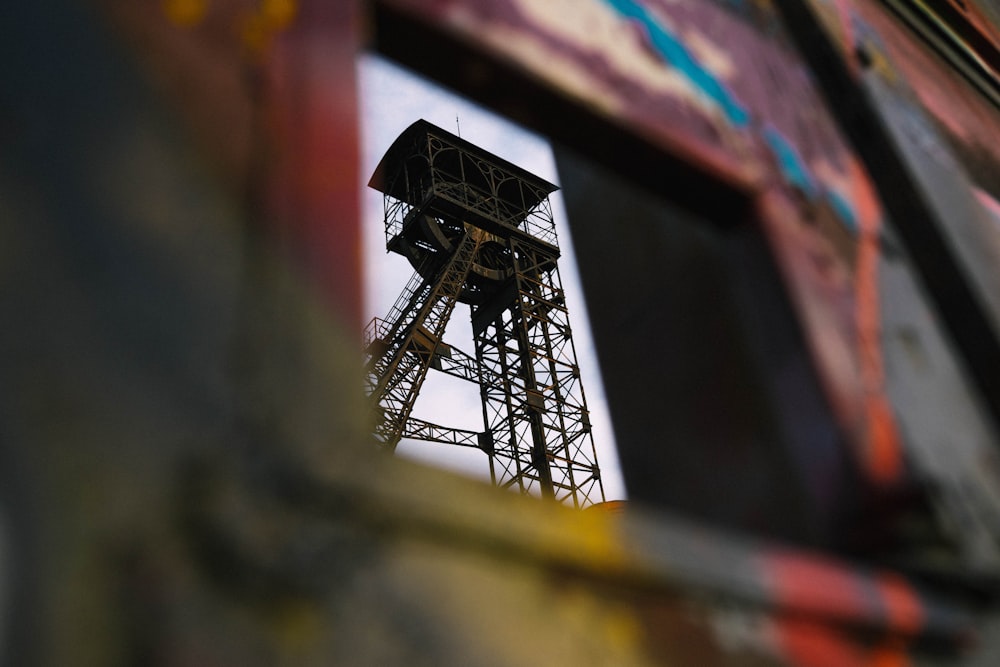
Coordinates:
[157,514]
[795,149]
[961,35]
[696,407]
[820,212]
[948,249]
[949,433]
[266,95]
[926,180]
[583,63]
[156,315]
[182,476]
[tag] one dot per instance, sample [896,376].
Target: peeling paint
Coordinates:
[676,54]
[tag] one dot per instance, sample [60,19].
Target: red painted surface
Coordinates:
[311,114]
[826,589]
[267,92]
[902,606]
[840,310]
[883,456]
[816,587]
[580,54]
[805,644]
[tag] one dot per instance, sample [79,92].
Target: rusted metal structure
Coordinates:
[479,230]
[807,187]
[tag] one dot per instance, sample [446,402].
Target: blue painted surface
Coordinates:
[797,172]
[844,210]
[674,53]
[793,168]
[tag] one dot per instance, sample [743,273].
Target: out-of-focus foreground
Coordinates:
[787,225]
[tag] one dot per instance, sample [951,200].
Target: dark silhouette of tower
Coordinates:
[479,230]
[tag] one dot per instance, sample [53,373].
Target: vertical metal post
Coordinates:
[480,231]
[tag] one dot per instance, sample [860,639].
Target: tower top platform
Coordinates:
[412,151]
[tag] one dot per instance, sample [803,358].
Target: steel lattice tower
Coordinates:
[479,230]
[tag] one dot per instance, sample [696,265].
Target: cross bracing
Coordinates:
[479,230]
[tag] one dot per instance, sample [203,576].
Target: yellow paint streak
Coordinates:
[299,626]
[185,13]
[258,29]
[278,14]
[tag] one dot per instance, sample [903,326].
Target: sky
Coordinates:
[392,99]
